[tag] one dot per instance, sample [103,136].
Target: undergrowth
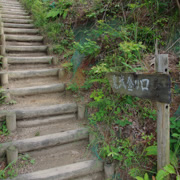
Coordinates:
[121,34]
[12,169]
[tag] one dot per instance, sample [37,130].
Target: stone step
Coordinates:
[12,7]
[49,127]
[15,17]
[12,1]
[28,91]
[46,141]
[46,121]
[7,1]
[11,28]
[26,54]
[44,111]
[72,171]
[34,81]
[11,10]
[22,49]
[39,100]
[11,4]
[20,31]
[23,38]
[30,60]
[15,43]
[29,113]
[32,73]
[6,12]
[20,21]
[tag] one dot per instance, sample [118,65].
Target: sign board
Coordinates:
[150,86]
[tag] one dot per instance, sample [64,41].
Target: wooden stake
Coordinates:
[12,154]
[11,121]
[163,122]
[81,111]
[4,78]
[61,73]
[5,62]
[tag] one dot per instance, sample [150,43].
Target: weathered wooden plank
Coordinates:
[150,86]
[163,120]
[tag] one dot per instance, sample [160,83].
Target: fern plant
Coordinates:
[61,9]
[38,9]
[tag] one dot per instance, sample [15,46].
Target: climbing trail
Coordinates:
[46,119]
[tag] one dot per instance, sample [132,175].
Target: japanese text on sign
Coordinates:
[150,86]
[119,82]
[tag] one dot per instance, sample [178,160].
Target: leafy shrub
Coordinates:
[89,48]
[3,129]
[68,66]
[73,87]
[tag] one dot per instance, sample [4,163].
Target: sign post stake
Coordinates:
[163,119]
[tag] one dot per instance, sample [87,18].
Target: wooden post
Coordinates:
[109,170]
[11,121]
[12,154]
[4,78]
[5,62]
[55,61]
[163,122]
[61,73]
[81,111]
[3,42]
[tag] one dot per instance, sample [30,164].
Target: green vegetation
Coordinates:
[68,66]
[101,36]
[37,133]
[167,170]
[72,87]
[57,19]
[11,170]
[3,129]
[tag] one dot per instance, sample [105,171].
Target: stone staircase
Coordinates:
[43,121]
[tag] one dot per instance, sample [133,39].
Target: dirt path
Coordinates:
[46,119]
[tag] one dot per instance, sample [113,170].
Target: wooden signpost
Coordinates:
[149,86]
[156,86]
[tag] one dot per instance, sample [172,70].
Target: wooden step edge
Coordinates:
[22,49]
[46,120]
[23,38]
[15,26]
[18,31]
[32,73]
[67,172]
[13,17]
[35,90]
[42,111]
[12,10]
[6,12]
[46,141]
[15,8]
[30,60]
[20,21]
